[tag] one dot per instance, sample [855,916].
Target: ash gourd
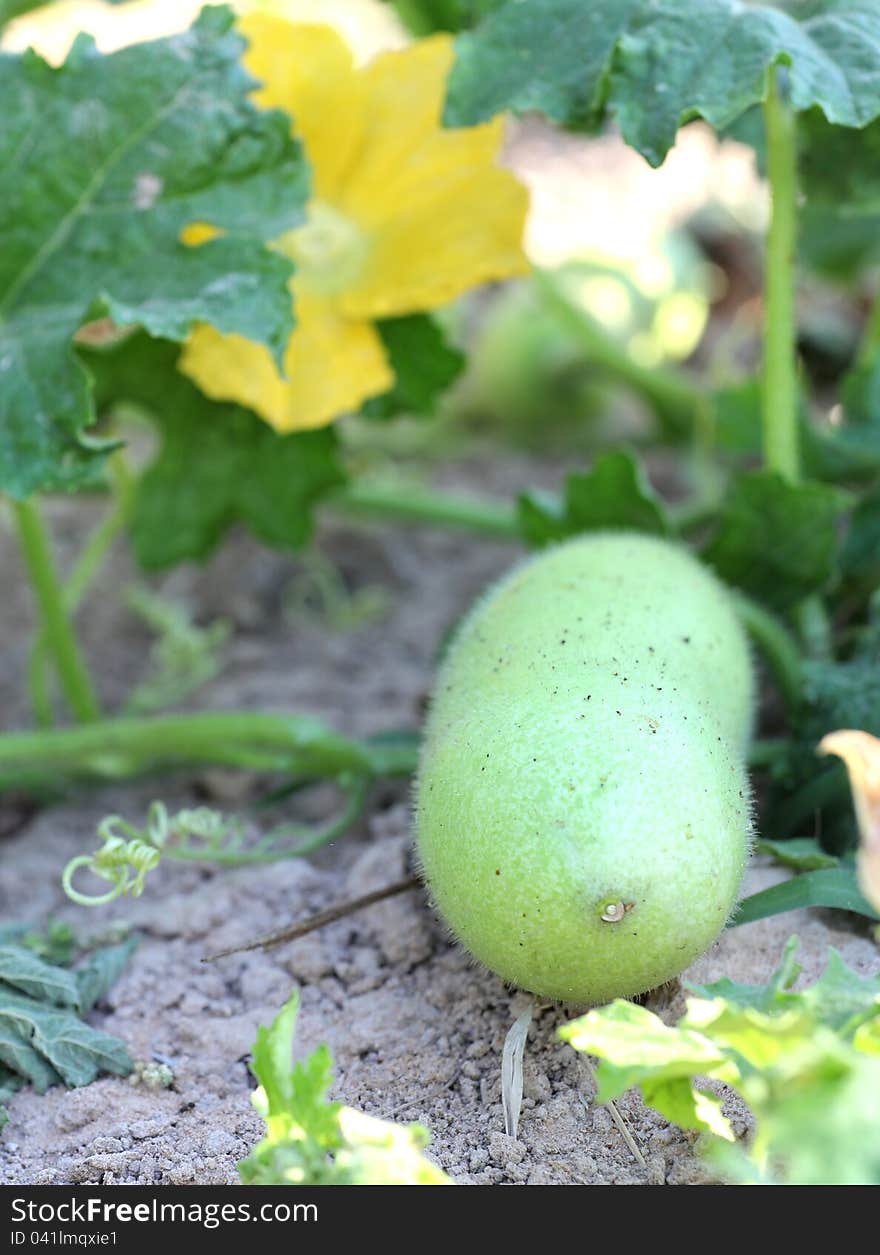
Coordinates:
[583,808]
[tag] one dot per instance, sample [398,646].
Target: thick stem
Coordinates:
[420,505]
[56,628]
[780,396]
[116,748]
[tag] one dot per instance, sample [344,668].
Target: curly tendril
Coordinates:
[128,853]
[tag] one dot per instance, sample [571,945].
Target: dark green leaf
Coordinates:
[849,450]
[841,999]
[765,998]
[424,365]
[422,17]
[15,8]
[835,887]
[840,167]
[26,972]
[837,243]
[737,417]
[840,695]
[654,66]
[776,540]
[860,556]
[105,160]
[101,970]
[615,493]
[19,1054]
[219,463]
[76,1051]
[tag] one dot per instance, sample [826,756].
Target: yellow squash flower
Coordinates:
[405,216]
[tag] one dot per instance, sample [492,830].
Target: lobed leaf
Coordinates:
[105,161]
[655,64]
[219,464]
[615,493]
[100,972]
[775,540]
[424,363]
[28,973]
[76,1051]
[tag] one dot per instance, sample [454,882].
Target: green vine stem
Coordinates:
[81,578]
[780,391]
[61,643]
[402,504]
[117,748]
[676,400]
[780,395]
[128,854]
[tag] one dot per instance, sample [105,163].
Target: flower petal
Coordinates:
[861,753]
[447,220]
[333,364]
[308,70]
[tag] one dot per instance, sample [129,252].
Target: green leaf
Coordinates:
[19,1055]
[634,1043]
[804,854]
[25,971]
[422,17]
[105,160]
[687,1106]
[860,555]
[219,463]
[100,972]
[615,493]
[554,56]
[75,1050]
[839,167]
[806,1063]
[841,998]
[839,695]
[654,66]
[272,1056]
[835,887]
[10,9]
[764,998]
[42,1040]
[424,365]
[310,1141]
[836,243]
[775,540]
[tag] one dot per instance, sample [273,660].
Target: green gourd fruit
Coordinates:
[583,808]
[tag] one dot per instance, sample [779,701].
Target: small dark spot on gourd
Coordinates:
[497,871]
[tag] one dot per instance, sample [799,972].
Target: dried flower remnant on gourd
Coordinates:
[861,753]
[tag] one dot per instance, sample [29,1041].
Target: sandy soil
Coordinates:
[416,1030]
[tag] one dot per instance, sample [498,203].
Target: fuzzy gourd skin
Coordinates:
[584,757]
